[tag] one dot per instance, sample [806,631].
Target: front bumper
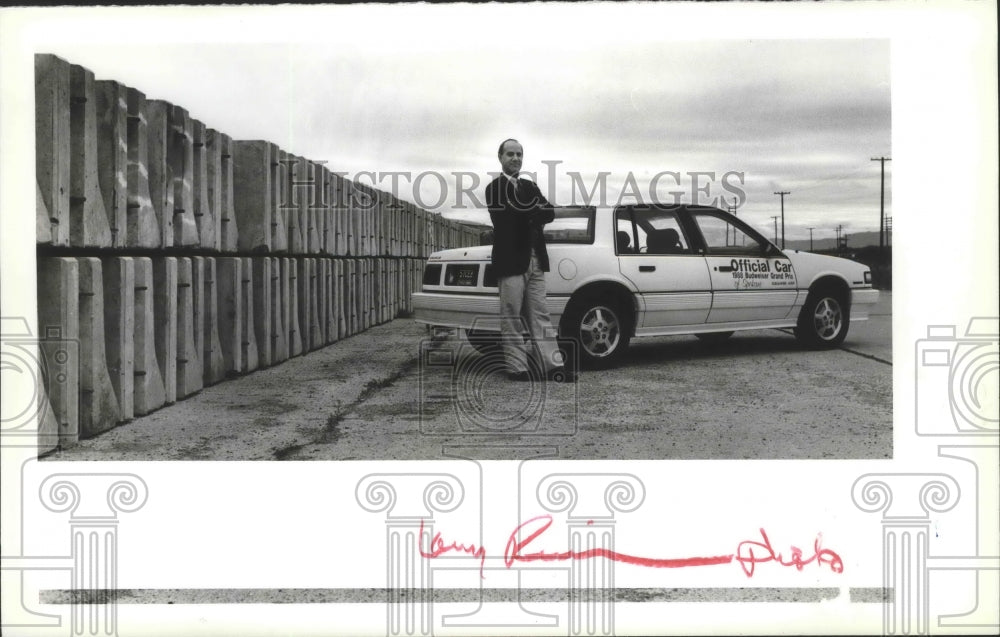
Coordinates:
[861,303]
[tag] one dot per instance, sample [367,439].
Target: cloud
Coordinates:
[799,115]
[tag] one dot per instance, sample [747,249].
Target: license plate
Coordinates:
[464,275]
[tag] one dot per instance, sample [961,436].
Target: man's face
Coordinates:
[510,157]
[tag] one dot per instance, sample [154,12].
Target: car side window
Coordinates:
[723,237]
[625,237]
[660,232]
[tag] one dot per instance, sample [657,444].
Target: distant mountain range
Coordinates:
[857,240]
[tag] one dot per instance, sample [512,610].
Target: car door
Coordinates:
[672,280]
[751,279]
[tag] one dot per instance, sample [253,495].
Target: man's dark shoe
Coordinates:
[519,376]
[562,375]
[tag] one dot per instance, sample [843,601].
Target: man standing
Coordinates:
[519,211]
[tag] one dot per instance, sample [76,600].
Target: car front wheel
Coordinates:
[599,329]
[824,320]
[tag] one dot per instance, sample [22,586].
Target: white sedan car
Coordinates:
[652,270]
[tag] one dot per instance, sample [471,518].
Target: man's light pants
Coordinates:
[522,296]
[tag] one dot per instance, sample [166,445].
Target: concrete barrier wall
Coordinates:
[172,257]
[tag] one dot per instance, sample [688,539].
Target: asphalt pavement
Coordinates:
[394,392]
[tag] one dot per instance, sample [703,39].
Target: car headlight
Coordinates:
[868,277]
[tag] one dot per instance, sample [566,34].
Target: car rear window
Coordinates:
[572,224]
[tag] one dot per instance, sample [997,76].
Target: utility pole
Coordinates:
[810,239]
[782,193]
[775,217]
[732,211]
[881,214]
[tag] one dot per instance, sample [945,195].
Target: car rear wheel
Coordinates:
[824,319]
[600,330]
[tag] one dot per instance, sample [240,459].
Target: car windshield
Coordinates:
[572,224]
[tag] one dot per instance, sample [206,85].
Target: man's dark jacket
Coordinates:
[518,217]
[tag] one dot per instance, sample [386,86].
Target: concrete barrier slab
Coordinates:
[181,157]
[316,339]
[251,359]
[292,169]
[161,190]
[366,294]
[89,224]
[262,308]
[280,241]
[98,404]
[340,207]
[303,281]
[52,146]
[310,207]
[112,155]
[165,323]
[340,298]
[43,225]
[59,344]
[329,234]
[290,281]
[119,329]
[252,185]
[148,393]
[142,226]
[279,300]
[230,286]
[220,187]
[207,299]
[189,367]
[353,280]
[205,207]
[393,288]
[381,278]
[319,271]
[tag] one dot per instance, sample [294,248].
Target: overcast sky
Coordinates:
[420,89]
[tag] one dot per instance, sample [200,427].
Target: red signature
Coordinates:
[749,553]
[438,548]
[748,559]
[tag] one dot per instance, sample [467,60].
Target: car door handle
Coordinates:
[647,268]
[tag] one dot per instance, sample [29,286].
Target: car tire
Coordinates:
[824,319]
[486,343]
[600,329]
[713,338]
